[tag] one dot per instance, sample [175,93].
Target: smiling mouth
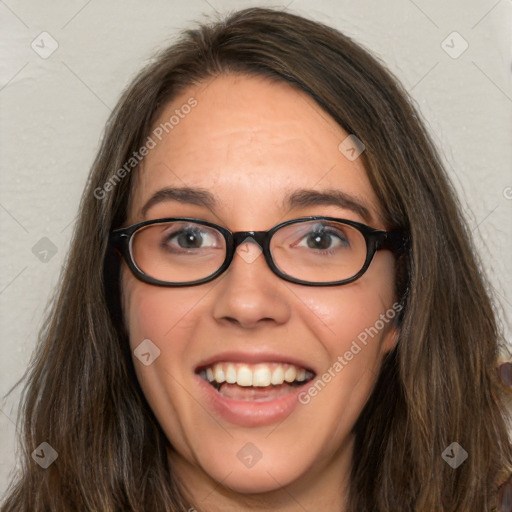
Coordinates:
[255,382]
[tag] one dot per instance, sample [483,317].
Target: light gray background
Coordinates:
[53,111]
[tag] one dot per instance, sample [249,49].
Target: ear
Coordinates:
[390,339]
[391,336]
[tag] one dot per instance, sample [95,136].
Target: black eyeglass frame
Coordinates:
[376,240]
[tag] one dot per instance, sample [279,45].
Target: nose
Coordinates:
[250,294]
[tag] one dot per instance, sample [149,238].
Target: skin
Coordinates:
[250,142]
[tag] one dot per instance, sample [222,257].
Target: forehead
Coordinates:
[250,141]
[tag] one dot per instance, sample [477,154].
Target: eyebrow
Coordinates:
[196,196]
[297,199]
[305,197]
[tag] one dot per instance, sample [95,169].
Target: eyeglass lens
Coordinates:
[314,250]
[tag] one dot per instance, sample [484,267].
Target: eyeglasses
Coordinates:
[315,251]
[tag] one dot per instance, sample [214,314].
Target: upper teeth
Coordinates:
[259,375]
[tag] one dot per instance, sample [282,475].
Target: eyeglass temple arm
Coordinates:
[117,239]
[395,241]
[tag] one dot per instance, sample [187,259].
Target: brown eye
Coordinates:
[325,239]
[187,239]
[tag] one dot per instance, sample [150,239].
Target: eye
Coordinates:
[190,238]
[323,238]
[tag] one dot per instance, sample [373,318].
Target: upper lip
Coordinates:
[252,358]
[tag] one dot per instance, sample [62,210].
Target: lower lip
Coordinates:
[251,413]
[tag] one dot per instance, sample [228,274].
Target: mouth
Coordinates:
[260,382]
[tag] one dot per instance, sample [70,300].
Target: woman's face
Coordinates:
[252,144]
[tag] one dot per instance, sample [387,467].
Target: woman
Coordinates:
[271,301]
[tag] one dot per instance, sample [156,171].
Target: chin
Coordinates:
[258,480]
[269,473]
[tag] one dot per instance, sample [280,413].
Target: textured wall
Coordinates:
[54,106]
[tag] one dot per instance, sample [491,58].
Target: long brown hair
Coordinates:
[438,385]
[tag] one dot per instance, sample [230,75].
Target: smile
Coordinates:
[253,394]
[254,375]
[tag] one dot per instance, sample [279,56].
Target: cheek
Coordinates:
[355,324]
[340,314]
[157,313]
[147,314]
[160,322]
[155,318]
